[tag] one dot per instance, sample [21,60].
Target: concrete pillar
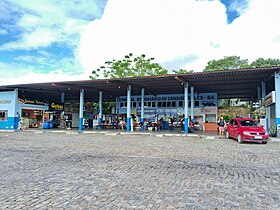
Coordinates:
[192,103]
[142,105]
[16,111]
[62,98]
[263,89]
[100,109]
[266,118]
[82,93]
[266,109]
[277,99]
[259,95]
[186,107]
[128,109]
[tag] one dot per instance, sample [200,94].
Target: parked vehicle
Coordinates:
[246,130]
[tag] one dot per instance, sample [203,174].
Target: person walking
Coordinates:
[221,125]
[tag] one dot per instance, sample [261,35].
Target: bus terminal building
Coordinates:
[192,96]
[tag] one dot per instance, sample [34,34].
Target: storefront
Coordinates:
[171,107]
[12,109]
[55,115]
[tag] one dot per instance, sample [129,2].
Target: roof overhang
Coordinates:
[240,83]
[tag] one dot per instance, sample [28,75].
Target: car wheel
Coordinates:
[227,135]
[239,138]
[264,142]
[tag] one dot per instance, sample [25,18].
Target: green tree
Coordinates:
[227,63]
[130,66]
[182,71]
[260,62]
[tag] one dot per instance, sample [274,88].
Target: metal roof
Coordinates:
[239,83]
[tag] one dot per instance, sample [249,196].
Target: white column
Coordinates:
[277,100]
[82,92]
[186,107]
[16,114]
[192,103]
[142,105]
[100,109]
[128,110]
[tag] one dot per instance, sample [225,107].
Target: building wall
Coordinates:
[8,102]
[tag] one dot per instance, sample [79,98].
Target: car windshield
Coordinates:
[248,123]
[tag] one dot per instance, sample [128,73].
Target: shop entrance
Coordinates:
[32,118]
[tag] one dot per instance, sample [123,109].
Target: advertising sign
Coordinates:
[56,106]
[269,99]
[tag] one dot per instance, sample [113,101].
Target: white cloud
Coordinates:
[169,30]
[40,37]
[162,29]
[17,74]
[48,22]
[254,33]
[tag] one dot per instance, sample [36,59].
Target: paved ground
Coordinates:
[94,171]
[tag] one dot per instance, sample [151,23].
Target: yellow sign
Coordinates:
[56,107]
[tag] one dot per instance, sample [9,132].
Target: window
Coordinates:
[211,118]
[3,115]
[173,104]
[153,104]
[133,104]
[164,104]
[168,104]
[196,103]
[248,123]
[159,104]
[123,104]
[181,104]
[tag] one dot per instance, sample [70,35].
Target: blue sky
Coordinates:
[50,40]
[42,36]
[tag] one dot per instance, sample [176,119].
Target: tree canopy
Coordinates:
[134,66]
[260,62]
[227,63]
[235,62]
[130,66]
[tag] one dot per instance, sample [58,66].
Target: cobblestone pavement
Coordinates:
[94,171]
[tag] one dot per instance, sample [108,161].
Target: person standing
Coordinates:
[221,125]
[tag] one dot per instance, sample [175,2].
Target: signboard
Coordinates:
[26,101]
[56,107]
[3,101]
[269,99]
[201,99]
[204,97]
[169,103]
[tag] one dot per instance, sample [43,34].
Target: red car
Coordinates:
[246,130]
